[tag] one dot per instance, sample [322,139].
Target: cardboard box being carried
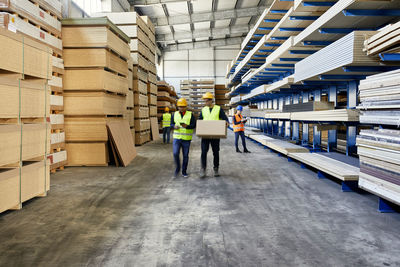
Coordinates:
[211,129]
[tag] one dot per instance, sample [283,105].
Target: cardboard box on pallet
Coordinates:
[211,129]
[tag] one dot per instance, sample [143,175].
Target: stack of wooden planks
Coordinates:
[141,33]
[284,147]
[379,152]
[336,115]
[25,70]
[166,97]
[96,55]
[308,106]
[385,41]
[380,99]
[40,20]
[220,97]
[197,88]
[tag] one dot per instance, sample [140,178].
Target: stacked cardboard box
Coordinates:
[40,20]
[96,57]
[197,89]
[220,97]
[25,67]
[166,97]
[141,33]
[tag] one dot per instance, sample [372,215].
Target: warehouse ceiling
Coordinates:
[188,24]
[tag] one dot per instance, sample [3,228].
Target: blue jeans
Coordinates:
[177,144]
[166,134]
[241,135]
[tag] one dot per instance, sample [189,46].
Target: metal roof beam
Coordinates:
[214,33]
[204,44]
[154,2]
[208,16]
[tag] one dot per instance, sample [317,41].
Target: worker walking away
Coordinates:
[211,112]
[166,125]
[183,122]
[238,129]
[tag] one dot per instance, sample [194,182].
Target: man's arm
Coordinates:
[172,121]
[192,124]
[222,115]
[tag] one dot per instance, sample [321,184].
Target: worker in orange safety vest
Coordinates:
[238,129]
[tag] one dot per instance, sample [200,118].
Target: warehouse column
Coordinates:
[332,134]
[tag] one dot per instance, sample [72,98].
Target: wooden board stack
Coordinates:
[40,20]
[96,57]
[197,89]
[141,33]
[166,97]
[308,106]
[185,89]
[385,41]
[220,97]
[25,68]
[130,111]
[379,152]
[380,99]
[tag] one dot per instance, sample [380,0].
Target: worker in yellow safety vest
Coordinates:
[211,112]
[238,129]
[183,122]
[166,125]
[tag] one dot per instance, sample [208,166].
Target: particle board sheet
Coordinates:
[94,80]
[140,61]
[140,99]
[56,82]
[336,168]
[122,141]
[56,100]
[23,55]
[93,103]
[94,33]
[337,115]
[155,133]
[10,144]
[16,24]
[384,40]
[130,117]
[87,154]
[52,6]
[35,180]
[33,98]
[9,189]
[141,112]
[152,88]
[58,157]
[129,99]
[34,138]
[142,124]
[94,58]
[87,129]
[153,110]
[262,139]
[123,18]
[139,87]
[139,74]
[152,100]
[56,119]
[57,138]
[33,12]
[285,147]
[308,106]
[346,51]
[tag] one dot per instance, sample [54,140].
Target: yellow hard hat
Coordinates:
[182,102]
[208,95]
[167,109]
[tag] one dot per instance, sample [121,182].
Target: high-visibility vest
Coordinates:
[166,120]
[211,116]
[183,133]
[238,127]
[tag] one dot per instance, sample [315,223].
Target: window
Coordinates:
[89,6]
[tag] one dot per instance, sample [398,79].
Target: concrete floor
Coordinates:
[263,211]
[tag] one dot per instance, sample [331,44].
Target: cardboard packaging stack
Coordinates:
[26,68]
[96,55]
[141,33]
[40,20]
[166,97]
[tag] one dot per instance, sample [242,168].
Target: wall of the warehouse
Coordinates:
[208,63]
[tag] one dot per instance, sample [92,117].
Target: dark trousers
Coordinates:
[241,134]
[205,146]
[166,134]
[177,144]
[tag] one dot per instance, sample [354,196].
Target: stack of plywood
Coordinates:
[141,33]
[185,89]
[25,67]
[96,57]
[130,111]
[166,97]
[380,99]
[385,41]
[220,97]
[40,20]
[379,152]
[197,89]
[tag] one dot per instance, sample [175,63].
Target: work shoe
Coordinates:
[175,175]
[185,175]
[246,151]
[203,173]
[238,151]
[216,173]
